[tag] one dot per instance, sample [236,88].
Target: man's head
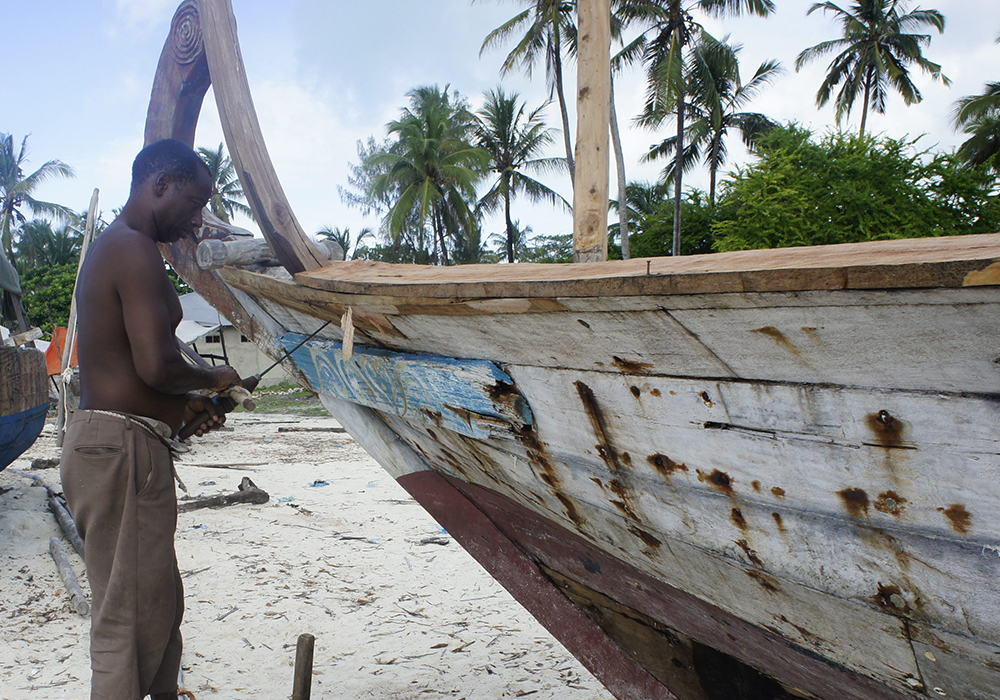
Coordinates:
[176,183]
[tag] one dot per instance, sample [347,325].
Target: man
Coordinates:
[117,470]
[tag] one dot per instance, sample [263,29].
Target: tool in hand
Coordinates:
[228,403]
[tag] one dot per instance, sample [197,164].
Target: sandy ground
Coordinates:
[398,609]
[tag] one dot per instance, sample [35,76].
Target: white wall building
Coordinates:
[218,341]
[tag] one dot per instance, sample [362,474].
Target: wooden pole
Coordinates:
[76,597]
[70,344]
[302,689]
[263,191]
[590,196]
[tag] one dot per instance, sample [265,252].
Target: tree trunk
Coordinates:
[440,233]
[713,169]
[678,175]
[510,225]
[864,112]
[567,138]
[616,140]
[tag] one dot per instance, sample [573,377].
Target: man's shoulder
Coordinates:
[119,243]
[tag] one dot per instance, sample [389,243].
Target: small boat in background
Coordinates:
[24,400]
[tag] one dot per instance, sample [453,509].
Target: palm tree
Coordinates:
[521,243]
[979,117]
[716,96]
[513,139]
[40,245]
[227,195]
[432,170]
[17,190]
[876,50]
[544,28]
[342,237]
[642,200]
[667,55]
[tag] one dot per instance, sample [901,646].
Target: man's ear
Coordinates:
[160,184]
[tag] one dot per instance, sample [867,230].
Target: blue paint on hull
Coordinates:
[18,432]
[472,397]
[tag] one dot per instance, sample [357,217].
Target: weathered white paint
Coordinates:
[742,388]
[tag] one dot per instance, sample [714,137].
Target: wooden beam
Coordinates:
[294,248]
[590,196]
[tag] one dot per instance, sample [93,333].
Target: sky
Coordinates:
[327,73]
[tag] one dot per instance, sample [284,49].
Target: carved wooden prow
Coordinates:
[203,49]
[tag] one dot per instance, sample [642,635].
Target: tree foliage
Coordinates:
[978,116]
[48,293]
[847,188]
[227,194]
[514,138]
[716,98]
[428,174]
[876,51]
[17,191]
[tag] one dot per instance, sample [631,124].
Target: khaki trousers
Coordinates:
[118,479]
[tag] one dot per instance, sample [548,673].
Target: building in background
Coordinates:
[218,341]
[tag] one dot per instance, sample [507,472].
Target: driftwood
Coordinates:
[67,523]
[311,430]
[247,493]
[77,599]
[213,254]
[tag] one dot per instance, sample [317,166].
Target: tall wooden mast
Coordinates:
[590,196]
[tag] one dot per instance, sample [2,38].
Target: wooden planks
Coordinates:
[471,397]
[951,261]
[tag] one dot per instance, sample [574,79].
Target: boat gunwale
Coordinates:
[922,263]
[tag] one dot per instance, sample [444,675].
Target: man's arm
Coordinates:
[142,288]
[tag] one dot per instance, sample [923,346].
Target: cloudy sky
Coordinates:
[326,73]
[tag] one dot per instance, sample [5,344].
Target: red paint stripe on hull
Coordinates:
[507,563]
[513,537]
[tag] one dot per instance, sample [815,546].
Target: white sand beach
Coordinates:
[340,551]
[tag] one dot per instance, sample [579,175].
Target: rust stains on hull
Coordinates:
[631,366]
[607,452]
[664,465]
[855,501]
[888,429]
[891,503]
[959,517]
[719,479]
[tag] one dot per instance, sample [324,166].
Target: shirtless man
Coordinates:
[117,470]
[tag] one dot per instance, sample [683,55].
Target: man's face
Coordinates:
[181,205]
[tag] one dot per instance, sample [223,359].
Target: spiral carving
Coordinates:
[185,32]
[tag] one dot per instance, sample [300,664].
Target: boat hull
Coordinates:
[24,401]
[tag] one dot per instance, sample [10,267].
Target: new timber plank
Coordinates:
[950,261]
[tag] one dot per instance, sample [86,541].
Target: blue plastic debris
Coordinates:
[320,482]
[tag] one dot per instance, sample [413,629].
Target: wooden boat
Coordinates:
[24,400]
[768,474]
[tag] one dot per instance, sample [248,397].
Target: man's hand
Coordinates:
[223,377]
[198,403]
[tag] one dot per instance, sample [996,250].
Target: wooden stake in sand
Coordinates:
[77,599]
[302,688]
